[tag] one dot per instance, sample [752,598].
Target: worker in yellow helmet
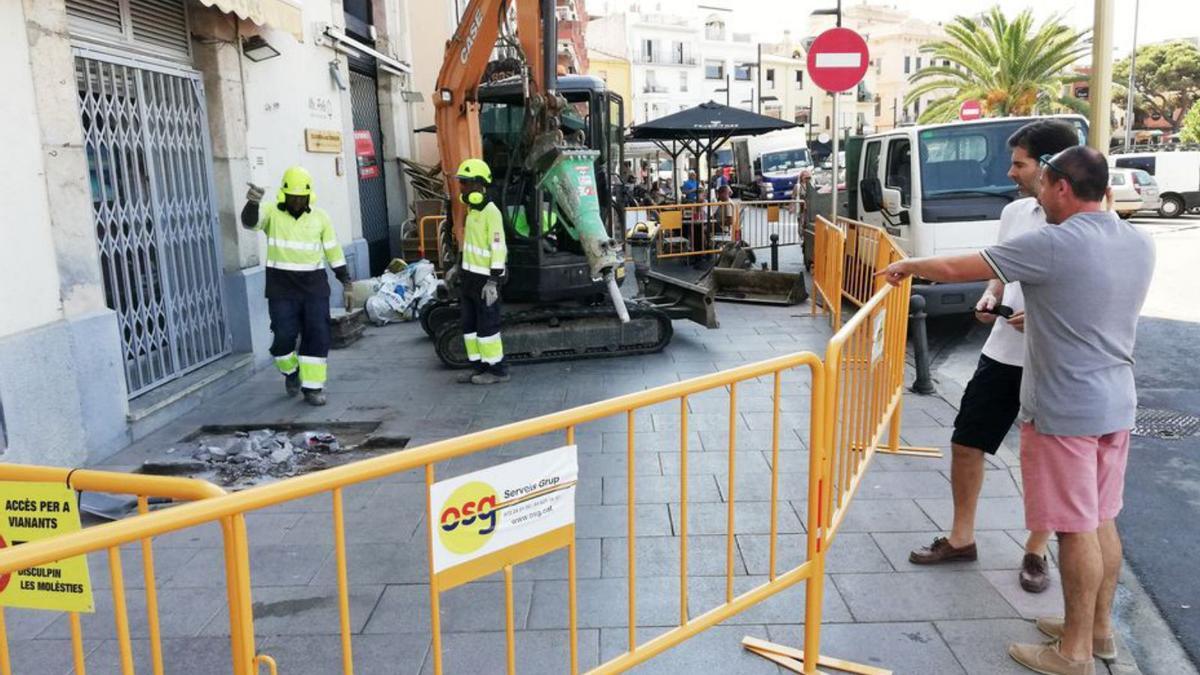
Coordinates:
[300,241]
[484,258]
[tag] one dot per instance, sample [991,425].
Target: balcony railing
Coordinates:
[665,60]
[654,89]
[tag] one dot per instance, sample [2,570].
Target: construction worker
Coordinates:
[483,270]
[300,241]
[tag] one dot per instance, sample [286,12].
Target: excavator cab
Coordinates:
[546,262]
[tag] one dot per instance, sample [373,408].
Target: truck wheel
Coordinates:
[1125,215]
[1171,207]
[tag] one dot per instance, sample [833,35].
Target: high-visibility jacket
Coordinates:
[484,250]
[298,250]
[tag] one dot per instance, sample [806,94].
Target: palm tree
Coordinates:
[1010,67]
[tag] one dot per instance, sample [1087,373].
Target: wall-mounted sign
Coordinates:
[322,140]
[364,150]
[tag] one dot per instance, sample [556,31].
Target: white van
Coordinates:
[939,190]
[1177,175]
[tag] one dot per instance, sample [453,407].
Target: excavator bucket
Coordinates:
[758,286]
[679,299]
[735,278]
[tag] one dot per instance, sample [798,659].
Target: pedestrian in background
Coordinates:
[300,242]
[1085,279]
[992,398]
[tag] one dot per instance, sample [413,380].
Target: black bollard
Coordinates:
[774,253]
[923,384]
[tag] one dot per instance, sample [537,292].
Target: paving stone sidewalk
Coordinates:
[879,609]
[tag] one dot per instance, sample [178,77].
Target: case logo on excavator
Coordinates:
[476,22]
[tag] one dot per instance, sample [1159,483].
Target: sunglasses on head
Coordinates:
[1047,161]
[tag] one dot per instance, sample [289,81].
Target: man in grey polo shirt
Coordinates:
[1085,279]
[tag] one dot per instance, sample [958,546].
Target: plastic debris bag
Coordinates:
[399,296]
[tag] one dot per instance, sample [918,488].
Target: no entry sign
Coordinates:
[837,59]
[970,110]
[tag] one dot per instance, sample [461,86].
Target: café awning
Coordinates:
[285,15]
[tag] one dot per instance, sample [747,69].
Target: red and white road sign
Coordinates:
[837,59]
[970,110]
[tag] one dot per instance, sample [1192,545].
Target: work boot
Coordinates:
[466,376]
[489,377]
[1103,648]
[291,384]
[314,397]
[1048,660]
[940,551]
[1033,576]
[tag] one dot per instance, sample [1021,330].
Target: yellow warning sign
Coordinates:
[33,511]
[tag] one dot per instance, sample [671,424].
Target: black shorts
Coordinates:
[989,406]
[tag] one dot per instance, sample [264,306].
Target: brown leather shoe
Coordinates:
[1047,660]
[940,551]
[1102,648]
[1034,576]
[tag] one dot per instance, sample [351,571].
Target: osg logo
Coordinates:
[468,517]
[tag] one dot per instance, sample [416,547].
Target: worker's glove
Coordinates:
[254,193]
[348,295]
[491,292]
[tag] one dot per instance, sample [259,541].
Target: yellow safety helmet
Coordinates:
[475,169]
[296,181]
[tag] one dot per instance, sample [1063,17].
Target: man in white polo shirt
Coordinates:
[992,399]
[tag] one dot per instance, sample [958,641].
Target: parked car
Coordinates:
[1127,195]
[1177,175]
[1151,199]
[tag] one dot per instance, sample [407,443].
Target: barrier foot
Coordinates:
[932,453]
[793,659]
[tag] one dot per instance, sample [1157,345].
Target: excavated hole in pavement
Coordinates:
[239,456]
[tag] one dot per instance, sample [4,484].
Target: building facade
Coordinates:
[132,291]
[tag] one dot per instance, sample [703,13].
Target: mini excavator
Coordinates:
[554,145]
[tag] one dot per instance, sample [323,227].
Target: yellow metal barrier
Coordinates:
[855,412]
[829,246]
[759,220]
[144,487]
[868,249]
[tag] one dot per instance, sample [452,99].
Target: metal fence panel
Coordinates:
[150,171]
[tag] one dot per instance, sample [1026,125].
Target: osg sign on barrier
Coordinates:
[487,511]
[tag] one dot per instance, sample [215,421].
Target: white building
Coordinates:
[130,292]
[730,59]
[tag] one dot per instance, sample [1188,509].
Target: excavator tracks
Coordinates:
[566,334]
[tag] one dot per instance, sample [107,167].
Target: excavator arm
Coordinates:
[456,94]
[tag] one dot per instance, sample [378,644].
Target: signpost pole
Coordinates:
[837,132]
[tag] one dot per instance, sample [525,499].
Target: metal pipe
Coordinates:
[615,293]
[923,384]
[1137,7]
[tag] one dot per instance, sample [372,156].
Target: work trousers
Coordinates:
[305,319]
[481,326]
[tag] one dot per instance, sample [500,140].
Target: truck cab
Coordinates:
[938,189]
[767,166]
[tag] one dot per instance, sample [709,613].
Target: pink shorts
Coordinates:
[1072,483]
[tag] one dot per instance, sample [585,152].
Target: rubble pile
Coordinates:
[245,456]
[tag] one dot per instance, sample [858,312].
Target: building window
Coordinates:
[799,78]
[827,122]
[800,114]
[878,66]
[651,51]
[683,78]
[917,107]
[714,29]
[652,82]
[603,75]
[918,63]
[714,70]
[878,106]
[677,52]
[907,65]
[770,78]
[742,71]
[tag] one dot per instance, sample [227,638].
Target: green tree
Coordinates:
[1191,125]
[1168,80]
[1011,67]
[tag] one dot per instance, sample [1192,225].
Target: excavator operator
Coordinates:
[484,255]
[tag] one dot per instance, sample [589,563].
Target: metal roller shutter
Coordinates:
[155,26]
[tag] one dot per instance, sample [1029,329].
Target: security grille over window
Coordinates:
[156,26]
[1168,424]
[145,135]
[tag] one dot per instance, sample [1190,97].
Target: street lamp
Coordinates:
[830,12]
